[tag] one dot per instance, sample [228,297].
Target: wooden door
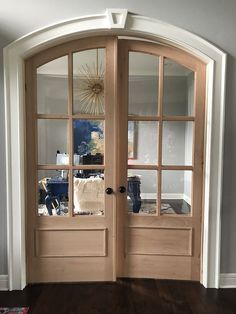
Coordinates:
[125,117]
[70,162]
[161,94]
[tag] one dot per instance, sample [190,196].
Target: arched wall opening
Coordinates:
[121,23]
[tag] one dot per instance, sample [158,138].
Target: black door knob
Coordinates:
[122,189]
[109,190]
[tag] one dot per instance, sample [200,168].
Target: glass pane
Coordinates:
[52,87]
[143,84]
[177,143]
[142,142]
[142,191]
[88,142]
[52,141]
[53,193]
[89,192]
[176,192]
[178,89]
[88,81]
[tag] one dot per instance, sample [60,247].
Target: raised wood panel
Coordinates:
[67,269]
[159,241]
[159,267]
[70,242]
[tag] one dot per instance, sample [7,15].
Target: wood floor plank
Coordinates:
[126,296]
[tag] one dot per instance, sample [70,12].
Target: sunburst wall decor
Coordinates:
[90,89]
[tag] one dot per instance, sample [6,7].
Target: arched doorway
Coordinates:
[135,25]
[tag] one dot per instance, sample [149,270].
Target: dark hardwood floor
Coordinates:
[126,296]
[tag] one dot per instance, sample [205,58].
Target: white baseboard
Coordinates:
[148,196]
[228,280]
[167,196]
[187,199]
[3,282]
[170,196]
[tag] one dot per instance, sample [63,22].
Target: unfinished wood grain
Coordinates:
[198,162]
[173,53]
[143,118]
[52,116]
[122,151]
[56,243]
[66,116]
[116,263]
[79,269]
[110,149]
[70,47]
[70,242]
[161,266]
[31,159]
[160,131]
[67,167]
[162,167]
[88,117]
[158,118]
[178,118]
[179,167]
[159,241]
[144,167]
[70,139]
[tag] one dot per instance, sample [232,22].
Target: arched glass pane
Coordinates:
[143,84]
[178,97]
[88,81]
[52,87]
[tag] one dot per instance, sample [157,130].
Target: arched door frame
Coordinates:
[113,22]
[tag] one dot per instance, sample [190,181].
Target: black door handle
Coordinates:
[109,190]
[122,189]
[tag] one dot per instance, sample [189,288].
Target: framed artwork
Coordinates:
[88,137]
[132,139]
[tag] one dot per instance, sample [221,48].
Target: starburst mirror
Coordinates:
[88,81]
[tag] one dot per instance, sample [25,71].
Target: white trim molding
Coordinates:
[117,17]
[228,280]
[3,282]
[167,196]
[127,24]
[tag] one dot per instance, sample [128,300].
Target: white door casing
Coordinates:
[122,23]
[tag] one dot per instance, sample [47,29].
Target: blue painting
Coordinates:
[88,137]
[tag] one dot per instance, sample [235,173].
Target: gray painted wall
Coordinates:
[3,213]
[213,20]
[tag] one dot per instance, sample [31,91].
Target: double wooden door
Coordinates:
[115,137]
